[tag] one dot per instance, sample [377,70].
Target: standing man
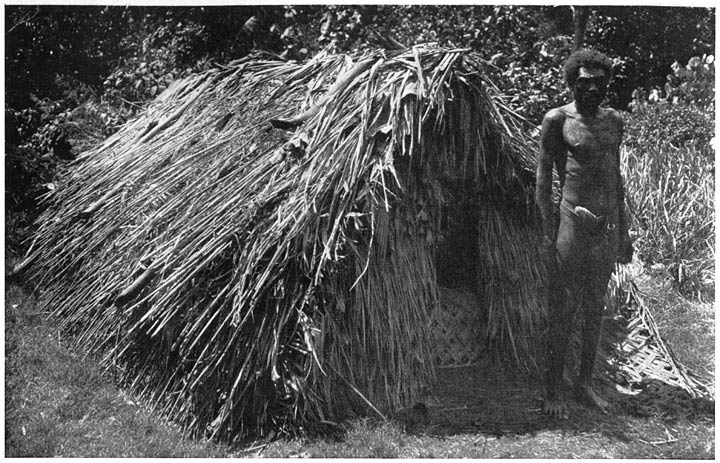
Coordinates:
[587,234]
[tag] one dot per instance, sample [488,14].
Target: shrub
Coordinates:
[153,59]
[675,124]
[28,174]
[41,137]
[535,86]
[693,83]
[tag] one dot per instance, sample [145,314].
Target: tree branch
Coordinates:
[24,20]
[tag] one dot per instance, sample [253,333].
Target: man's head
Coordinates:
[587,73]
[587,59]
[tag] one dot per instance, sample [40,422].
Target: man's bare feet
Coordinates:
[556,407]
[587,395]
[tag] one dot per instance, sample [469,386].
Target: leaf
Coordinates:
[287,33]
[250,25]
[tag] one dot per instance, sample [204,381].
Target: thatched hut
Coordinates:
[265,245]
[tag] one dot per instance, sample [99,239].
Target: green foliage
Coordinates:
[677,125]
[156,54]
[693,83]
[669,167]
[648,40]
[55,125]
[28,174]
[539,85]
[43,42]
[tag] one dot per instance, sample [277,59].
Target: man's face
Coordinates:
[590,87]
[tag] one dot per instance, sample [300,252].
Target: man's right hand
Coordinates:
[550,227]
[548,246]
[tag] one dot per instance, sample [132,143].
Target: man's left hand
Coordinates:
[625,252]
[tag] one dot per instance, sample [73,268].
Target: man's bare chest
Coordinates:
[586,140]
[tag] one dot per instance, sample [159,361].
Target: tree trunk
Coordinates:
[580,19]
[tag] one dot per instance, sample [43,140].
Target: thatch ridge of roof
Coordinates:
[236,269]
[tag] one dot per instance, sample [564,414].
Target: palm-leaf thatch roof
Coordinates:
[265,231]
[259,248]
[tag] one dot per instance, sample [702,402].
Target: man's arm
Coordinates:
[552,148]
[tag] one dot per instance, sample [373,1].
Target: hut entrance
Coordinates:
[457,325]
[456,254]
[475,390]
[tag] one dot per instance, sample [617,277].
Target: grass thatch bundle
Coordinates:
[258,247]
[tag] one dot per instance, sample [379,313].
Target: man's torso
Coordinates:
[591,165]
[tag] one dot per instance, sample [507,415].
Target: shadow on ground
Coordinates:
[487,400]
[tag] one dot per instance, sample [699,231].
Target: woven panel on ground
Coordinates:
[457,329]
[633,349]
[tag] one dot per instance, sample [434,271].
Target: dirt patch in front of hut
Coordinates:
[493,400]
[497,399]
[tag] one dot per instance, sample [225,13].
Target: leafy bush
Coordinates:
[537,86]
[693,83]
[154,58]
[28,174]
[677,125]
[649,39]
[48,124]
[50,138]
[41,137]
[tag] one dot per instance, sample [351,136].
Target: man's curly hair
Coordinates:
[585,58]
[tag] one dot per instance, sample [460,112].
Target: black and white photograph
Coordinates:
[326,230]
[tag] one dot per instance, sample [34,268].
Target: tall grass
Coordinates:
[670,190]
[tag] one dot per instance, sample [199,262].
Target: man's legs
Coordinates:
[592,312]
[563,298]
[561,311]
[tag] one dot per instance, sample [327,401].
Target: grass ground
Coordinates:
[688,326]
[58,403]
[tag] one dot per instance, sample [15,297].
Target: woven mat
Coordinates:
[634,352]
[457,329]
